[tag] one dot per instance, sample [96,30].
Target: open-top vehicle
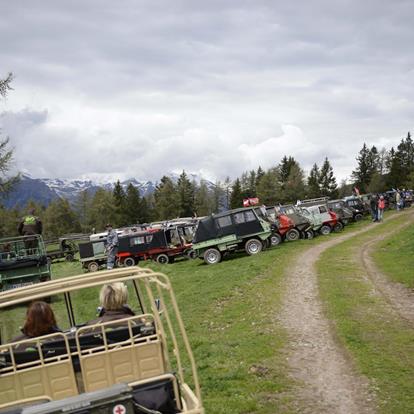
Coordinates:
[229,231]
[23,261]
[65,247]
[138,364]
[162,245]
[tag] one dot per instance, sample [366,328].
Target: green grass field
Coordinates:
[395,257]
[230,311]
[381,344]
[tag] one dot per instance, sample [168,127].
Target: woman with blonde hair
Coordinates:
[113,303]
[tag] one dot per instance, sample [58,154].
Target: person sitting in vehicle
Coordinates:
[40,320]
[113,304]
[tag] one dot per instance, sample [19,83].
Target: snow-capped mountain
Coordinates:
[45,190]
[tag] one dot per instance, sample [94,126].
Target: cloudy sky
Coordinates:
[134,88]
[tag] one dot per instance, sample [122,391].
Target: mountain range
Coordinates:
[45,190]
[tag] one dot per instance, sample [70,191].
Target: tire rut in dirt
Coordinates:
[329,383]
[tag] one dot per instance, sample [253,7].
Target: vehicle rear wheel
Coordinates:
[69,257]
[162,258]
[293,235]
[275,239]
[253,246]
[93,266]
[338,227]
[212,256]
[129,261]
[192,254]
[358,217]
[325,230]
[310,234]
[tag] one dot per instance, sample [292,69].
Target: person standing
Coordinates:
[381,207]
[398,200]
[30,226]
[373,203]
[111,248]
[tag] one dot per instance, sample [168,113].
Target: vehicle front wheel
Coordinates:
[253,246]
[358,217]
[212,256]
[93,267]
[338,227]
[192,254]
[162,259]
[69,257]
[129,261]
[275,239]
[292,235]
[325,230]
[310,234]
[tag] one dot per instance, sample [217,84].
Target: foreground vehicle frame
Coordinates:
[23,262]
[88,363]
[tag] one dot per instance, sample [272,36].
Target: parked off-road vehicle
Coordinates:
[302,224]
[138,364]
[23,261]
[358,208]
[321,213]
[65,247]
[162,245]
[343,212]
[92,254]
[229,231]
[285,228]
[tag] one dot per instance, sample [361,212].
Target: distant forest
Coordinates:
[377,170]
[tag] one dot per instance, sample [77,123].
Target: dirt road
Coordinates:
[316,360]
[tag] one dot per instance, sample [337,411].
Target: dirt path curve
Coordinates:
[399,297]
[329,383]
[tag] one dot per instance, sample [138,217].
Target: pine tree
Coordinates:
[294,188]
[185,189]
[133,204]
[285,167]
[327,180]
[362,174]
[268,188]
[102,210]
[60,219]
[82,209]
[259,174]
[119,196]
[204,200]
[313,189]
[166,200]
[236,197]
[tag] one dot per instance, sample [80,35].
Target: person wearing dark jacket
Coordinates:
[29,227]
[374,208]
[113,300]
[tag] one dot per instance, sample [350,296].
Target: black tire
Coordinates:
[292,235]
[253,246]
[358,217]
[275,239]
[93,266]
[69,257]
[129,261]
[338,227]
[325,230]
[212,256]
[192,254]
[162,258]
[310,235]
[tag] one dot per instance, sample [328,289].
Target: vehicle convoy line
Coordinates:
[329,384]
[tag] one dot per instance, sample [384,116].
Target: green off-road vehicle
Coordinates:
[140,363]
[232,230]
[23,261]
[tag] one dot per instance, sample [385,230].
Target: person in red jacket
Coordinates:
[381,207]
